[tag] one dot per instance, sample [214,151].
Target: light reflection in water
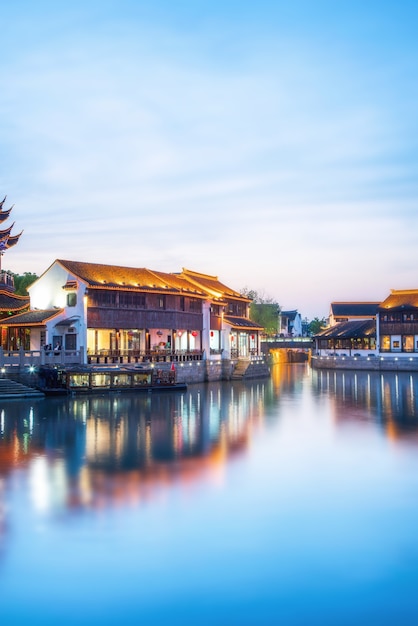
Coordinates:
[280,515]
[88,450]
[99,440]
[388,398]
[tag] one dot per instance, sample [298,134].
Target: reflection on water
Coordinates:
[390,398]
[82,450]
[230,504]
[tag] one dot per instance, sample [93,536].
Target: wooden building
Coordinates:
[130,314]
[398,322]
[352,338]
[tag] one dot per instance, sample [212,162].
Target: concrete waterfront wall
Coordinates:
[374,364]
[211,371]
[188,372]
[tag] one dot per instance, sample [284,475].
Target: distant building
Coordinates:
[350,311]
[290,324]
[354,337]
[398,323]
[369,328]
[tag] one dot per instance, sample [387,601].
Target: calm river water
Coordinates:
[291,500]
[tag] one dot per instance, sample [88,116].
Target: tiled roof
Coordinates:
[352,329]
[242,322]
[350,309]
[31,318]
[290,314]
[11,302]
[212,284]
[117,277]
[401,299]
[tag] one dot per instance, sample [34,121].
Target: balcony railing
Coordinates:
[143,356]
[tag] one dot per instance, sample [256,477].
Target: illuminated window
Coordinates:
[408,343]
[385,343]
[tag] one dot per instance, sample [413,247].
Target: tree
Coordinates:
[316,325]
[22,282]
[264,310]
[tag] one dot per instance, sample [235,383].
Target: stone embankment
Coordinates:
[189,373]
[363,363]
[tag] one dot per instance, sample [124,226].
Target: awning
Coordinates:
[68,321]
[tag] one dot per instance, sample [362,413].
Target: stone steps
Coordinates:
[239,370]
[12,389]
[246,370]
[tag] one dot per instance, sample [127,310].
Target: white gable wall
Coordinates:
[48,293]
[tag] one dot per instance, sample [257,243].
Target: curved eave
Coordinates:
[6,232]
[12,240]
[32,318]
[14,308]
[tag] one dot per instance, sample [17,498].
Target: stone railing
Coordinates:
[25,358]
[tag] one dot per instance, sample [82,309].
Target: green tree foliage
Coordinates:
[263,310]
[22,282]
[316,325]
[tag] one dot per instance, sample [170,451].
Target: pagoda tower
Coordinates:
[7,240]
[10,304]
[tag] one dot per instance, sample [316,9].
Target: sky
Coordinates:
[273,144]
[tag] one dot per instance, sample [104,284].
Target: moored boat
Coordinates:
[85,379]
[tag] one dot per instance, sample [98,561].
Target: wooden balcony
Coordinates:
[398,328]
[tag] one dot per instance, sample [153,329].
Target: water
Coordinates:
[290,501]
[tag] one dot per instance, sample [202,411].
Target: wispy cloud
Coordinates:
[262,154]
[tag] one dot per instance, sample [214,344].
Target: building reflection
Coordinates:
[105,450]
[100,450]
[389,398]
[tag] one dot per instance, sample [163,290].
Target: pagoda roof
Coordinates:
[36,317]
[4,214]
[11,302]
[13,239]
[6,231]
[400,299]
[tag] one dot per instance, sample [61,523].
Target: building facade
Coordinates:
[290,323]
[108,312]
[398,323]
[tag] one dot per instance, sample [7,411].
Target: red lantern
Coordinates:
[194,333]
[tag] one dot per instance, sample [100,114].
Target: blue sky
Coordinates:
[273,144]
